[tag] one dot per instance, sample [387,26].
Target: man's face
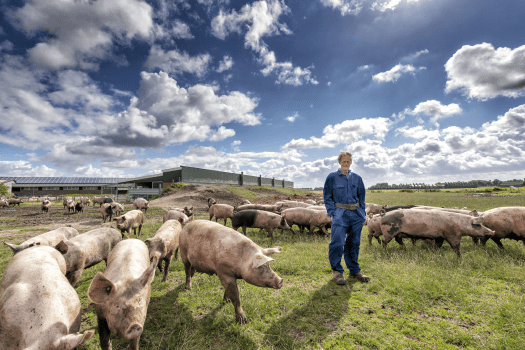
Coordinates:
[345,164]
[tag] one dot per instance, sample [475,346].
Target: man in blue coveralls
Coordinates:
[344,199]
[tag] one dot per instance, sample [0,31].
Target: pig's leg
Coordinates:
[189,274]
[140,229]
[104,333]
[261,230]
[231,293]
[211,216]
[370,236]
[167,261]
[126,233]
[270,232]
[378,240]
[439,242]
[399,240]
[225,220]
[497,240]
[159,265]
[413,241]
[134,344]
[475,240]
[323,228]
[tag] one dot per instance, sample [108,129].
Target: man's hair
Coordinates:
[344,154]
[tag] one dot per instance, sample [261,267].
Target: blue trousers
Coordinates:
[345,240]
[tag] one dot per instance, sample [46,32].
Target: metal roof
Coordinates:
[62,180]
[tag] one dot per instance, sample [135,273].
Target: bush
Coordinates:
[3,190]
[406,190]
[488,189]
[432,190]
[498,189]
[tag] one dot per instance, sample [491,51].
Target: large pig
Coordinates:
[51,239]
[164,244]
[121,294]
[221,211]
[70,206]
[507,222]
[117,208]
[133,219]
[38,307]
[307,217]
[86,250]
[432,224]
[177,215]
[266,207]
[15,201]
[107,210]
[46,204]
[211,248]
[259,219]
[141,204]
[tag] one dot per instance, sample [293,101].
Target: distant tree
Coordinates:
[3,190]
[496,182]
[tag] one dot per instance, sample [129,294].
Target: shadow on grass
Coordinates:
[313,322]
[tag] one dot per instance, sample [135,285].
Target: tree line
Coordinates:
[455,184]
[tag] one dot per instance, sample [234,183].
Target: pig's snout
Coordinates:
[279,283]
[133,332]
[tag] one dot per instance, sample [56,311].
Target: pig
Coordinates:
[432,224]
[50,238]
[293,204]
[131,220]
[374,228]
[45,206]
[117,208]
[317,207]
[15,201]
[507,222]
[176,215]
[64,202]
[164,244]
[187,211]
[245,201]
[271,208]
[307,217]
[258,219]
[141,203]
[122,293]
[86,250]
[106,210]
[70,206]
[221,211]
[451,210]
[79,207]
[388,208]
[108,200]
[3,203]
[211,202]
[372,208]
[86,201]
[211,248]
[38,307]
[98,200]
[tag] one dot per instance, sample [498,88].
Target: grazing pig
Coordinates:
[117,208]
[141,204]
[307,217]
[177,215]
[38,307]
[266,207]
[432,224]
[70,205]
[86,201]
[259,219]
[372,208]
[187,211]
[211,202]
[45,206]
[164,244]
[121,294]
[15,201]
[507,222]
[106,210]
[221,211]
[51,239]
[98,200]
[86,250]
[79,207]
[211,248]
[131,220]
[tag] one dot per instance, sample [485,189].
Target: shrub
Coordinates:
[406,190]
[3,190]
[498,189]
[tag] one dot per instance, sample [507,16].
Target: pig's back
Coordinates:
[127,260]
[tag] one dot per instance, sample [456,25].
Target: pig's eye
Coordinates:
[108,290]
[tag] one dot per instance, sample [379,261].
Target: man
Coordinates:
[344,199]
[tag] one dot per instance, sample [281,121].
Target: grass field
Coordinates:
[416,299]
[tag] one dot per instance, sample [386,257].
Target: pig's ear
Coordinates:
[181,220]
[191,208]
[191,218]
[71,341]
[270,251]
[15,248]
[62,247]
[147,276]
[148,241]
[478,220]
[100,289]
[260,260]
[474,213]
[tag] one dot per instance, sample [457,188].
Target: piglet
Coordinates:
[38,307]
[211,248]
[86,250]
[131,220]
[165,243]
[50,238]
[121,294]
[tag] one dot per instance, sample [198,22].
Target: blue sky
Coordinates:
[419,91]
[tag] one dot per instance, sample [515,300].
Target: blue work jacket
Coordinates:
[340,189]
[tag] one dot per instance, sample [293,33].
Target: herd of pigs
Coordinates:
[39,307]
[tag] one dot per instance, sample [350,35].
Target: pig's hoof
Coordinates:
[188,287]
[242,319]
[226,300]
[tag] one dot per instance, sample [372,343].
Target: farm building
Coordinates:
[143,186]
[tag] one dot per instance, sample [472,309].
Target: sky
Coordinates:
[419,91]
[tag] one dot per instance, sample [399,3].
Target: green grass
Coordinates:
[243,191]
[416,299]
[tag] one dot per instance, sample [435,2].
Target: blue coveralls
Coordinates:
[346,224]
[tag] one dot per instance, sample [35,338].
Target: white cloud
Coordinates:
[482,72]
[418,132]
[329,83]
[395,73]
[236,143]
[225,64]
[436,110]
[82,33]
[176,62]
[6,45]
[365,67]
[347,132]
[384,5]
[292,117]
[347,7]
[261,19]
[25,168]
[181,30]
